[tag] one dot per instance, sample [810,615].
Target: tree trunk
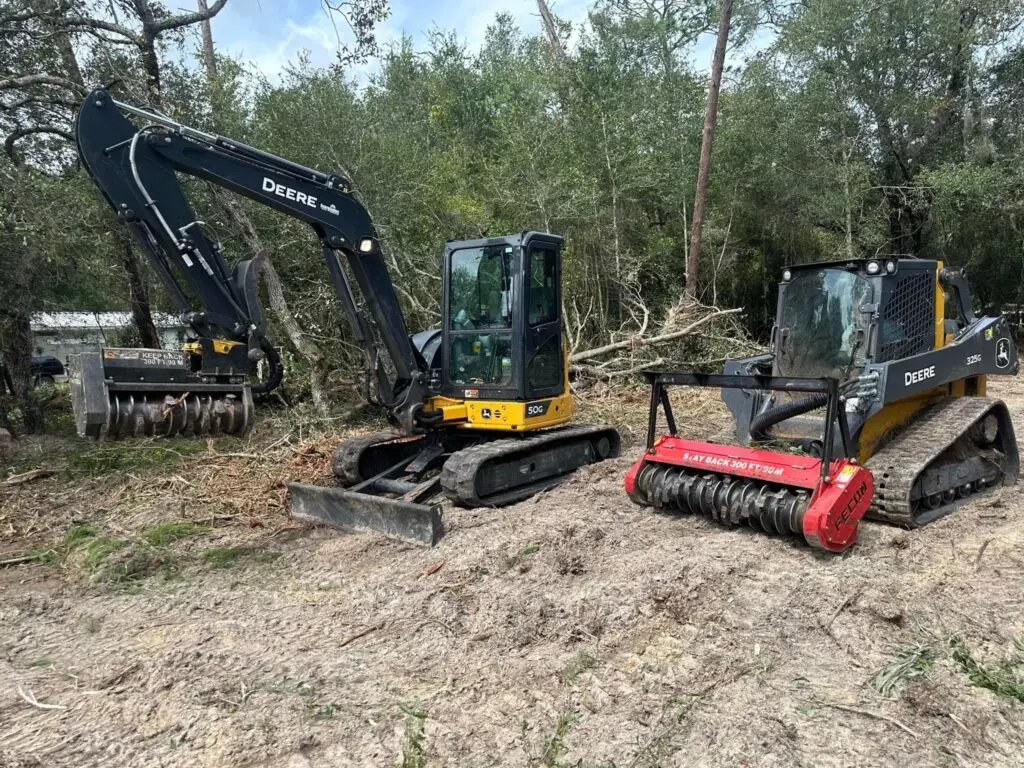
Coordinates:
[306,347]
[549,28]
[706,145]
[142,314]
[309,350]
[209,60]
[17,358]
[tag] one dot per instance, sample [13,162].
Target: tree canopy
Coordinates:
[846,128]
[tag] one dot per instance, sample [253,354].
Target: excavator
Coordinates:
[871,402]
[481,404]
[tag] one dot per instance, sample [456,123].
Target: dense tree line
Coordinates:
[846,128]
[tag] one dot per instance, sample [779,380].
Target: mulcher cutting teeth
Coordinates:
[816,497]
[771,492]
[118,394]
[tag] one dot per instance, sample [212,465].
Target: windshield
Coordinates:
[480,306]
[822,323]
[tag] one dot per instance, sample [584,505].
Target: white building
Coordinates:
[62,334]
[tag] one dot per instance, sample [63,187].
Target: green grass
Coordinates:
[42,661]
[554,747]
[911,661]
[325,711]
[580,662]
[100,548]
[163,534]
[414,754]
[227,557]
[1001,678]
[518,560]
[136,455]
[78,533]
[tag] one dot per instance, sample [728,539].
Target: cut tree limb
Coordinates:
[660,339]
[27,477]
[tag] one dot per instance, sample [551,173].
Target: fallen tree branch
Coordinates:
[601,375]
[869,713]
[27,477]
[357,635]
[661,339]
[28,697]
[18,560]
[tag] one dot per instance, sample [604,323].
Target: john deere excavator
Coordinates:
[481,404]
[872,401]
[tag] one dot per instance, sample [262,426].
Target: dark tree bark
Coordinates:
[706,145]
[17,358]
[142,314]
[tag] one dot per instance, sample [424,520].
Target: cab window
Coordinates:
[480,317]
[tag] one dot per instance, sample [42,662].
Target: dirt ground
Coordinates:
[168,613]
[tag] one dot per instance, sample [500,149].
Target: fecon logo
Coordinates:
[847,513]
[269,185]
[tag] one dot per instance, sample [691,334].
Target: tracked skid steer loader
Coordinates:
[871,402]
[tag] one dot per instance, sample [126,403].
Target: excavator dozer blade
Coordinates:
[357,511]
[121,393]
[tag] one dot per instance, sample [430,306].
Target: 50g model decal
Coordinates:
[537,409]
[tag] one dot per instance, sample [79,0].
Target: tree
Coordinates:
[706,146]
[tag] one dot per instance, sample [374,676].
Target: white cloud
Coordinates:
[273,35]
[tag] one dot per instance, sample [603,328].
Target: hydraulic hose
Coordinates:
[429,418]
[761,423]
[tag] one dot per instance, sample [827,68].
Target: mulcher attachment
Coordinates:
[821,499]
[119,393]
[776,493]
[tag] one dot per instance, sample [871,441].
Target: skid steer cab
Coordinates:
[876,367]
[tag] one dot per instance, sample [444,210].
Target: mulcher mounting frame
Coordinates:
[834,414]
[821,495]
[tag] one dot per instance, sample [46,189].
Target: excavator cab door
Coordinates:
[543,335]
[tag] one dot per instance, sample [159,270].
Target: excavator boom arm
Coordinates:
[136,170]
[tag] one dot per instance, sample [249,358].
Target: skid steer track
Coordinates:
[503,471]
[943,457]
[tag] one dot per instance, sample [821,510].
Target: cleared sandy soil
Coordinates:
[573,629]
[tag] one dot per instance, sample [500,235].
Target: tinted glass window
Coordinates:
[543,286]
[545,369]
[481,288]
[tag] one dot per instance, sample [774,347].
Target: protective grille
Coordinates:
[908,320]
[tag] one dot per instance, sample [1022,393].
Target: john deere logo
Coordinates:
[1002,353]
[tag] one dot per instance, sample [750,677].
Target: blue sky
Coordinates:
[270,33]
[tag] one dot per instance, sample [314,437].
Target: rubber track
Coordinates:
[345,460]
[458,476]
[897,466]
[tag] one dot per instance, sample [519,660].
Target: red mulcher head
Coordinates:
[820,499]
